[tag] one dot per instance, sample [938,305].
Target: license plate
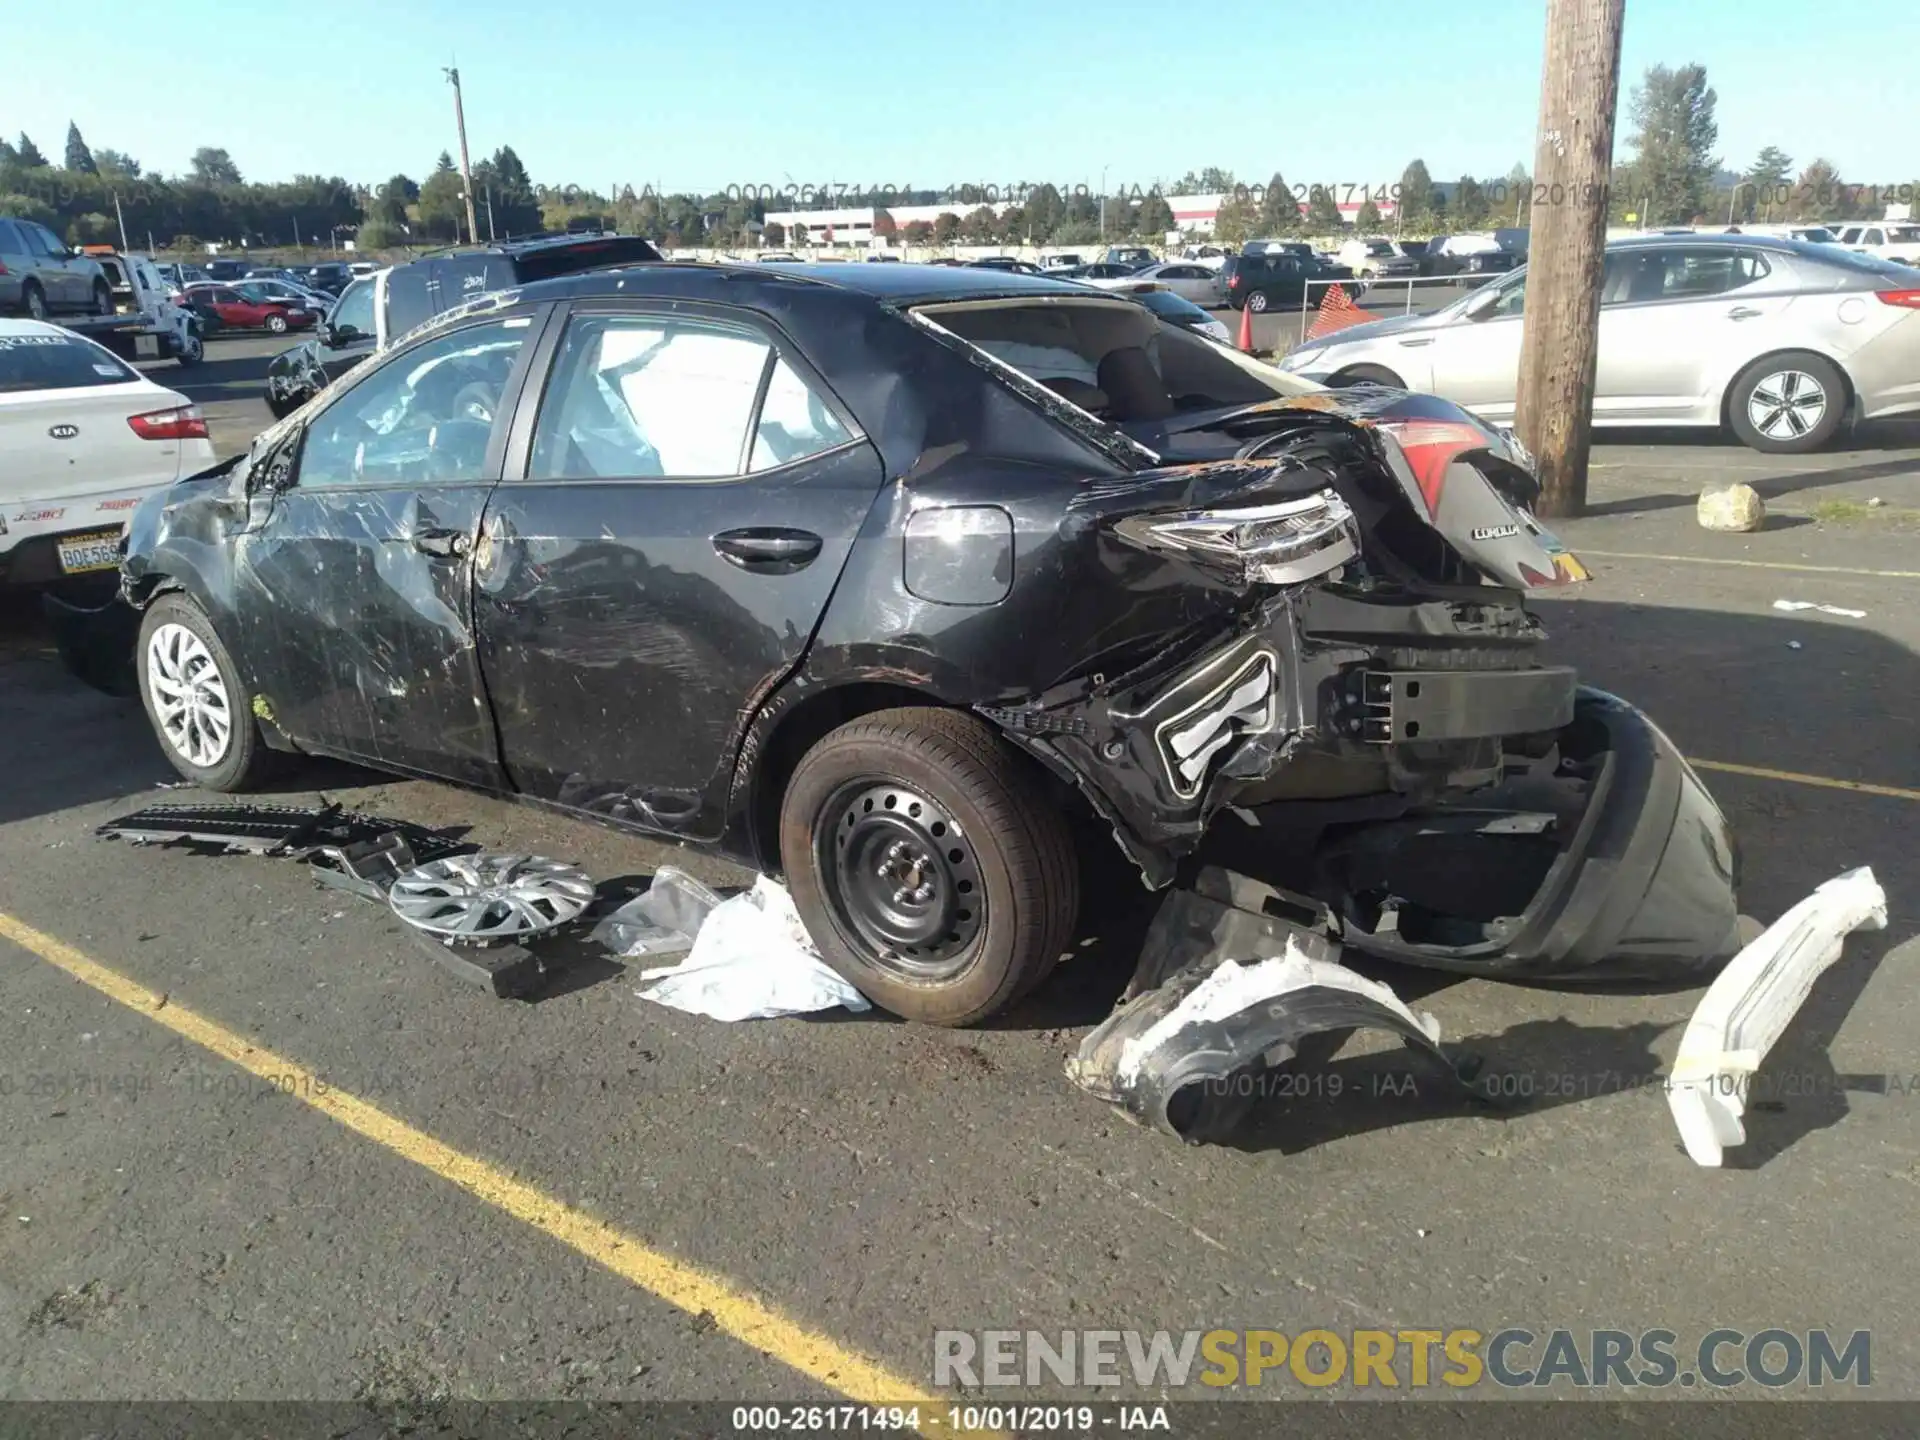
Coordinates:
[80,553]
[146,346]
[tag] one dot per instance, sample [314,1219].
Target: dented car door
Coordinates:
[358,579]
[684,502]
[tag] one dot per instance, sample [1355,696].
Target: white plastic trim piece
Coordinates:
[1751,1003]
[1235,986]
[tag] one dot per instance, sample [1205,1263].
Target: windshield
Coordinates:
[1114,359]
[56,362]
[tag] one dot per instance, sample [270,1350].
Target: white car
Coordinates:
[84,438]
[1899,241]
[1188,279]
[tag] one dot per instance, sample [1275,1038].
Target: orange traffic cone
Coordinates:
[1246,328]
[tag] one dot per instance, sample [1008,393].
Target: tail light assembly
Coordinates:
[1905,299]
[1279,544]
[184,422]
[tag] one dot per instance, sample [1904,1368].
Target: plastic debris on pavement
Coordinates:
[661,920]
[752,960]
[1748,1007]
[1792,605]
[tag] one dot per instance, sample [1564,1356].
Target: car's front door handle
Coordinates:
[441,544]
[769,548]
[1743,312]
[1423,340]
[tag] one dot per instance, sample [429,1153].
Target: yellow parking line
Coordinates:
[1754,564]
[739,1314]
[1825,782]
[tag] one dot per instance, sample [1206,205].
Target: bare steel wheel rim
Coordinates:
[190,700]
[490,899]
[1786,404]
[902,879]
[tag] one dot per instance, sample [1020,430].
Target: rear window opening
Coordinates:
[56,362]
[1115,360]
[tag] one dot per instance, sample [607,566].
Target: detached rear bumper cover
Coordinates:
[1750,1005]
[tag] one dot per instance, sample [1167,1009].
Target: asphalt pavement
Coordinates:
[255,1142]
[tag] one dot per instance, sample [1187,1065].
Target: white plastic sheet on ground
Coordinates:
[752,960]
[1751,1003]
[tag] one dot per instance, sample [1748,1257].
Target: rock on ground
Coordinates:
[1736,508]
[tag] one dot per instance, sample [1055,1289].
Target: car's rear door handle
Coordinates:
[1423,340]
[769,548]
[1743,312]
[441,544]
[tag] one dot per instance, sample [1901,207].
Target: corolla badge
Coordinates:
[1495,532]
[63,432]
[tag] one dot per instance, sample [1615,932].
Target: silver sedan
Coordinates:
[1776,339]
[1188,279]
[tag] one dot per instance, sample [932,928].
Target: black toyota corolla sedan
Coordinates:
[903,582]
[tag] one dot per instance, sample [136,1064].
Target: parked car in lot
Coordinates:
[227,270]
[378,309]
[1376,258]
[902,582]
[1884,241]
[237,310]
[84,437]
[1135,255]
[1257,282]
[1188,279]
[1064,261]
[41,275]
[280,292]
[1775,339]
[1469,255]
[180,276]
[329,276]
[1007,263]
[1184,313]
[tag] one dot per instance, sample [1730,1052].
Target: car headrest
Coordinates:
[1135,387]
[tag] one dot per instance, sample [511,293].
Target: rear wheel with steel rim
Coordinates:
[928,864]
[195,701]
[1788,404]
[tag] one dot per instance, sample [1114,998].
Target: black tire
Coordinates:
[1367,375]
[192,350]
[33,301]
[245,761]
[1015,851]
[102,298]
[1257,301]
[1770,427]
[279,408]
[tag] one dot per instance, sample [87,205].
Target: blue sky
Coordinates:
[699,96]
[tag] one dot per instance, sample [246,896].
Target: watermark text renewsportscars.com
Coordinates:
[1513,1358]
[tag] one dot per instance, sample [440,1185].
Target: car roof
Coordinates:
[901,284]
[31,327]
[1777,243]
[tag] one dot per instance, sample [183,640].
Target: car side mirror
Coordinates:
[1482,304]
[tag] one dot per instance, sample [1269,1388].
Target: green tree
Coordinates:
[1674,135]
[379,235]
[516,211]
[1766,183]
[884,226]
[391,200]
[1416,195]
[1515,208]
[774,235]
[79,157]
[214,166]
[1367,218]
[1156,216]
[1469,204]
[918,232]
[1236,220]
[946,227]
[1279,211]
[1820,194]
[27,207]
[981,227]
[8,155]
[28,154]
[1323,212]
[1045,211]
[442,211]
[116,163]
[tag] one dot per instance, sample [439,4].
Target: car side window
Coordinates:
[353,311]
[1512,301]
[425,417]
[649,395]
[44,241]
[794,422]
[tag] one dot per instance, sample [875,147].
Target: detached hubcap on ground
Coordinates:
[1787,405]
[189,698]
[902,878]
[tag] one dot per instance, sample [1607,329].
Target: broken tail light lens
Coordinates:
[1278,544]
[1906,299]
[184,422]
[1430,447]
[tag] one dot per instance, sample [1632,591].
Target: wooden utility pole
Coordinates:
[466,170]
[1566,251]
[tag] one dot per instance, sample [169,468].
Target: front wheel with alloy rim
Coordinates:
[1788,404]
[928,864]
[195,700]
[1257,301]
